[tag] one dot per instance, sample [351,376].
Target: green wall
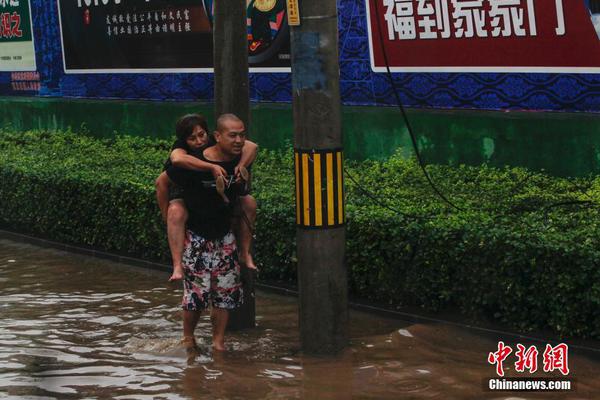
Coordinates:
[561,143]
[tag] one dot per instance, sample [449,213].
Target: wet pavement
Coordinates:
[76,327]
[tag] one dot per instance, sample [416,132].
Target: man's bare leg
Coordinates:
[190,320]
[244,232]
[176,218]
[219,318]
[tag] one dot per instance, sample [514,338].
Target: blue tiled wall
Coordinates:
[359,84]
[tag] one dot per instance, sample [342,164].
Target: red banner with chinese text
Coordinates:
[485,35]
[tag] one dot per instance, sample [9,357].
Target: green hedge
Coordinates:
[523,250]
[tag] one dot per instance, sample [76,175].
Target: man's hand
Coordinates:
[217,171]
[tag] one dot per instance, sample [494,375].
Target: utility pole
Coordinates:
[318,153]
[230,53]
[232,95]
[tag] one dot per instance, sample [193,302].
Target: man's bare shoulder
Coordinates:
[209,152]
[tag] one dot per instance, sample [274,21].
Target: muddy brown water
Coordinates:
[76,327]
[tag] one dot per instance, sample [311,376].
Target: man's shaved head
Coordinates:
[226,118]
[230,134]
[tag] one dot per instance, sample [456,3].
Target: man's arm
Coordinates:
[248,153]
[181,159]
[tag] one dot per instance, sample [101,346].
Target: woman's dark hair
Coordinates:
[186,124]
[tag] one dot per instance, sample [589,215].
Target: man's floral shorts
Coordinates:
[211,273]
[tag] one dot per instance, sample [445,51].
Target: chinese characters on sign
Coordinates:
[444,19]
[16,42]
[293,12]
[483,36]
[149,23]
[554,358]
[135,35]
[25,81]
[142,36]
[9,3]
[10,25]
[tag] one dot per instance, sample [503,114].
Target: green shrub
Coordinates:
[523,249]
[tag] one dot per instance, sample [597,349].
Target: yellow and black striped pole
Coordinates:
[319,158]
[319,188]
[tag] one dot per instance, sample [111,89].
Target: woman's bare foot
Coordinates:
[177,274]
[244,174]
[220,186]
[247,262]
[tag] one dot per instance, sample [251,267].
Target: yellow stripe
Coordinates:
[340,189]
[318,194]
[297,189]
[330,214]
[305,189]
[343,190]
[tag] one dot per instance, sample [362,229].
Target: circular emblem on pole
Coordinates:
[265,5]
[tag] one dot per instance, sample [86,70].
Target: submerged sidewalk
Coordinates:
[74,326]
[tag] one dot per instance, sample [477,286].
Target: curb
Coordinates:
[357,306]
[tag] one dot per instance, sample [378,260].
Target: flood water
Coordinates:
[76,327]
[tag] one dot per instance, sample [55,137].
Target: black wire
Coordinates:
[405,117]
[418,154]
[379,202]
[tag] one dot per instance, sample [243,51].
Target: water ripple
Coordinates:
[112,332]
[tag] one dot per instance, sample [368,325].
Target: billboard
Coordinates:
[484,35]
[101,36]
[17,52]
